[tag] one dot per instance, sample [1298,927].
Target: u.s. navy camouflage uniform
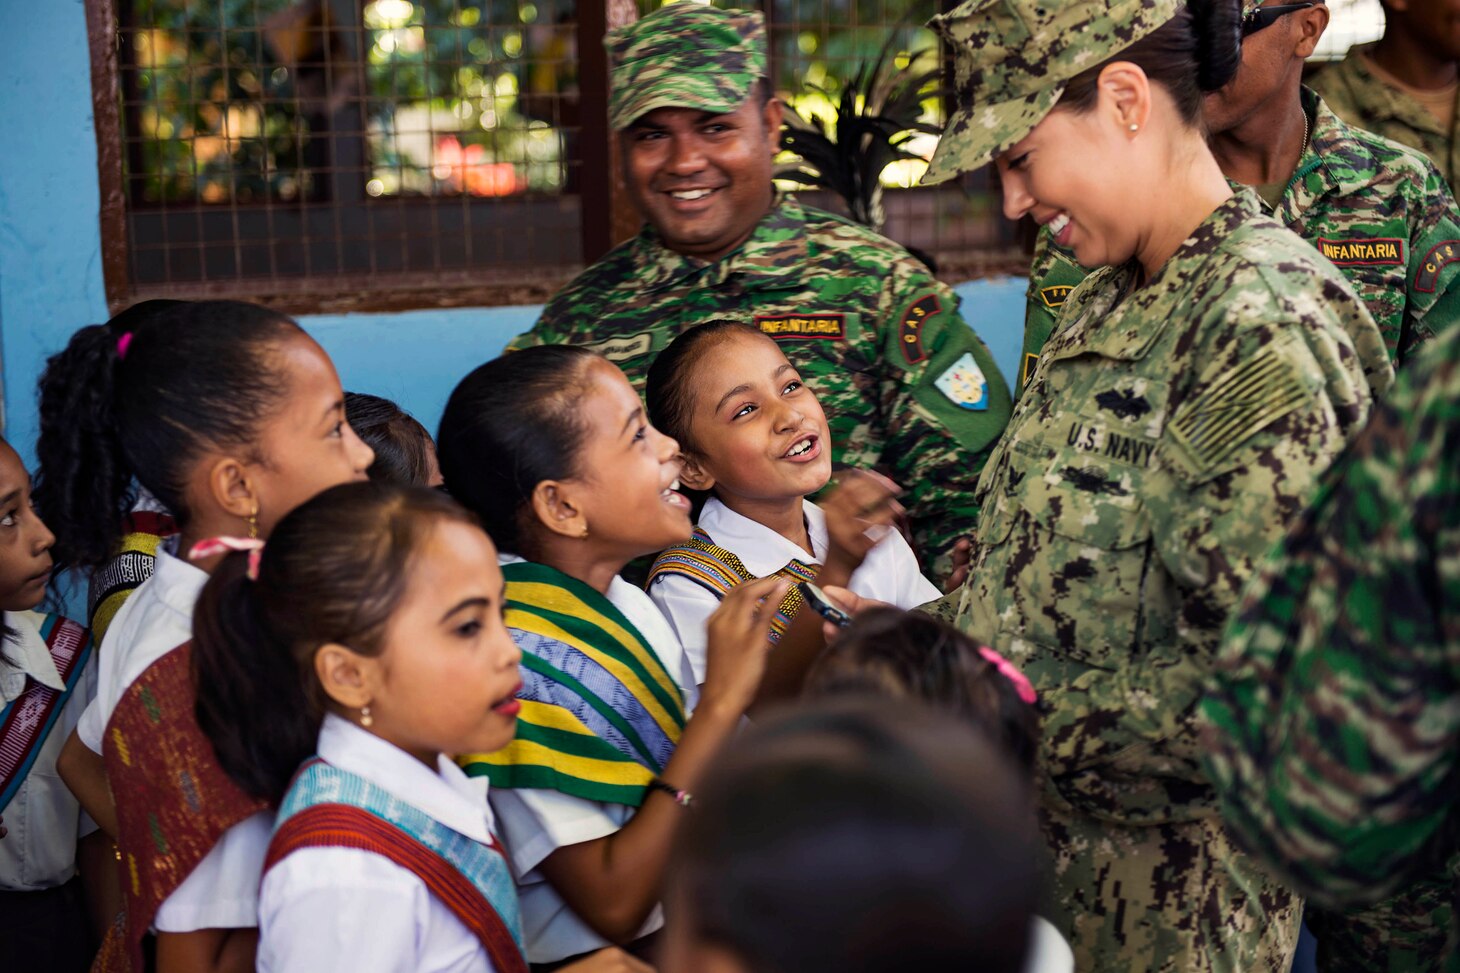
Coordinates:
[906,385]
[1334,715]
[1378,210]
[1366,101]
[1167,436]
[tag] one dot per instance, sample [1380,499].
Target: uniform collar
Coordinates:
[445,794]
[1381,101]
[28,657]
[1341,163]
[176,581]
[774,254]
[1121,327]
[760,549]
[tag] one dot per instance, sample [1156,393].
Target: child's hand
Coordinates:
[962,556]
[860,512]
[738,640]
[609,960]
[851,603]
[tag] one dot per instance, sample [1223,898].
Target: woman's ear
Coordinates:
[555,506]
[347,678]
[1125,96]
[693,475]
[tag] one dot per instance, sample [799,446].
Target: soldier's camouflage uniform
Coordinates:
[1167,436]
[1362,99]
[1334,713]
[906,385]
[1379,211]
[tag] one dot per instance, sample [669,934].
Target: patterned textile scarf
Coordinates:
[600,713]
[717,571]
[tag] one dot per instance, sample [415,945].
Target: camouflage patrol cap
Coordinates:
[1013,59]
[685,55]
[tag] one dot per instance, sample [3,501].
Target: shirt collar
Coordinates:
[774,253]
[29,657]
[177,581]
[1336,161]
[760,549]
[1118,323]
[445,794]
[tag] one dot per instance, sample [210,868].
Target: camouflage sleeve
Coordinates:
[1052,276]
[1432,301]
[1241,454]
[945,404]
[1333,720]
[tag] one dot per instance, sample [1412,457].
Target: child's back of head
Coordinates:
[404,452]
[853,835]
[912,655]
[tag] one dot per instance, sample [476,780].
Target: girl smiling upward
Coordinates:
[754,435]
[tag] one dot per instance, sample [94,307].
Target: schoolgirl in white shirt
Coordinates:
[47,676]
[343,663]
[230,415]
[754,435]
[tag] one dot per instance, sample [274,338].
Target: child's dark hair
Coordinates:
[850,835]
[334,570]
[668,392]
[914,655]
[511,424]
[187,376]
[1193,54]
[402,445]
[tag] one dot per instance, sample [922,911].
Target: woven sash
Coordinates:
[717,571]
[600,713]
[27,720]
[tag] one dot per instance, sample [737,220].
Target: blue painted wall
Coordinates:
[50,249]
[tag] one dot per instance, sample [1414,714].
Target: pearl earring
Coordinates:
[365,718]
[1134,127]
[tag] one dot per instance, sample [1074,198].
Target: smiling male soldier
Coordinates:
[907,386]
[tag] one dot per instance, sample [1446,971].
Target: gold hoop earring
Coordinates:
[253,522]
[366,719]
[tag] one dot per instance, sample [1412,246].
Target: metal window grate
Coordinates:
[281,146]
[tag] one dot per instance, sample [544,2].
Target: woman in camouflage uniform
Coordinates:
[1189,398]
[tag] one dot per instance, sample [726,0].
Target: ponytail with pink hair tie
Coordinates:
[223,545]
[1009,671]
[123,343]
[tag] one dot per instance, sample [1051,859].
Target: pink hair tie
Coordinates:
[223,545]
[123,343]
[1009,671]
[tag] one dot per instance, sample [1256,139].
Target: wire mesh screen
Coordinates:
[817,49]
[1350,22]
[398,142]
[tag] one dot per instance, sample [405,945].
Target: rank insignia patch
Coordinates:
[1378,251]
[1439,256]
[1055,296]
[832,327]
[625,348]
[1027,372]
[910,332]
[964,384]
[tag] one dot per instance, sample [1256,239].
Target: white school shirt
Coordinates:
[889,573]
[1048,951]
[536,822]
[222,892]
[43,819]
[348,909]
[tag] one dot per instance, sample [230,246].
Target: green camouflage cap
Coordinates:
[1013,59]
[685,55]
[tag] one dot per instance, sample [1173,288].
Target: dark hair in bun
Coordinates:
[1194,53]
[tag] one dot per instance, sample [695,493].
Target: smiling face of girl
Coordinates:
[626,474]
[758,434]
